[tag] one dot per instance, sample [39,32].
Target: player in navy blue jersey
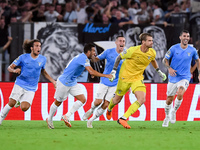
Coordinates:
[32,65]
[67,84]
[106,88]
[181,55]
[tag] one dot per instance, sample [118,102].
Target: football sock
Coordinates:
[93,107]
[4,112]
[97,114]
[74,108]
[132,109]
[167,109]
[52,111]
[177,104]
[111,105]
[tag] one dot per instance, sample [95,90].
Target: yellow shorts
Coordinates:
[123,87]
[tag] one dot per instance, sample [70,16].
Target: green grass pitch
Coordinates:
[106,135]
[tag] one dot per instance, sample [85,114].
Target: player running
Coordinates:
[106,88]
[67,84]
[32,64]
[137,58]
[181,55]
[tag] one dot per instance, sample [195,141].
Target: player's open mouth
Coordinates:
[121,45]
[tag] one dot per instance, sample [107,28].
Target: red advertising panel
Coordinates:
[152,110]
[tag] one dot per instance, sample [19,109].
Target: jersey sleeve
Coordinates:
[195,56]
[169,53]
[45,60]
[18,60]
[87,63]
[102,55]
[127,53]
[154,54]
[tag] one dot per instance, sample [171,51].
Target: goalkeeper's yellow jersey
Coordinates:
[135,63]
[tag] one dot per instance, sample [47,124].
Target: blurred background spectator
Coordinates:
[51,15]
[69,15]
[82,16]
[38,14]
[158,14]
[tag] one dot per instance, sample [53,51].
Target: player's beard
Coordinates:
[36,53]
[184,42]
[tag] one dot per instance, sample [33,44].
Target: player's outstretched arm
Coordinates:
[113,72]
[161,74]
[93,72]
[47,76]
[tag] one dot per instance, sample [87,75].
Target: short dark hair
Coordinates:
[143,36]
[119,36]
[184,31]
[88,47]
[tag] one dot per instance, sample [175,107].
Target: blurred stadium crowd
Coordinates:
[121,12]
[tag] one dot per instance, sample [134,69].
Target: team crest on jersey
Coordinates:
[149,57]
[39,63]
[188,54]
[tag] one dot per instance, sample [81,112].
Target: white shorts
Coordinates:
[105,92]
[173,87]
[63,91]
[22,95]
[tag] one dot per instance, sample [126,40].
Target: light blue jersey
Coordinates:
[110,55]
[74,69]
[181,61]
[30,71]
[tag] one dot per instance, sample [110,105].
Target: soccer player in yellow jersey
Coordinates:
[137,58]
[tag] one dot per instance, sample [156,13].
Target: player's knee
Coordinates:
[98,102]
[180,94]
[11,103]
[105,104]
[83,100]
[24,109]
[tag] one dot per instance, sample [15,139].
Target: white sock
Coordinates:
[74,108]
[52,111]
[177,104]
[97,114]
[167,109]
[93,107]
[4,112]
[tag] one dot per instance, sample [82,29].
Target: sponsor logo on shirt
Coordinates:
[16,59]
